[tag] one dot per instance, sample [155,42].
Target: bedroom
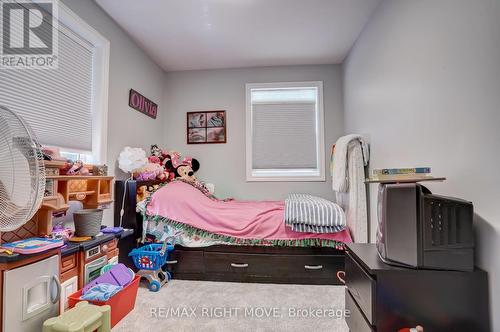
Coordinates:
[419,80]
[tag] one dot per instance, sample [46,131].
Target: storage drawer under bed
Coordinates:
[291,268]
[257,264]
[185,261]
[251,264]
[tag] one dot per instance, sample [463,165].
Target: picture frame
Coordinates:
[206,127]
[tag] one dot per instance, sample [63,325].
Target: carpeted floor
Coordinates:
[184,306]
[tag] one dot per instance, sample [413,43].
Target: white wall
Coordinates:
[224,164]
[129,68]
[423,81]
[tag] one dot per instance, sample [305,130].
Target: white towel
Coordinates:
[340,181]
[354,201]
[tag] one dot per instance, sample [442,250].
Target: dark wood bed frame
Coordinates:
[291,265]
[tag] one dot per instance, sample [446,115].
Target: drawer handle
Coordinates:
[313,267]
[172,262]
[341,276]
[239,265]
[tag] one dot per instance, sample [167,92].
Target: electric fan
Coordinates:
[22,172]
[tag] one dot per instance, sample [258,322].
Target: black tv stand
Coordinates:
[382,297]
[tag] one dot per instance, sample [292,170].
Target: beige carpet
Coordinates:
[221,306]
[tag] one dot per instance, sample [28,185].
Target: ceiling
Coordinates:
[209,34]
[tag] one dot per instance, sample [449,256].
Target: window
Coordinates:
[65,106]
[85,157]
[284,132]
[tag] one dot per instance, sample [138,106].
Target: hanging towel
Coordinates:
[354,200]
[339,165]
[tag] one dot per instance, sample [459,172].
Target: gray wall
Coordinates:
[129,67]
[423,81]
[224,164]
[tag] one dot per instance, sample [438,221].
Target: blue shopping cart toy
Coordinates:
[149,259]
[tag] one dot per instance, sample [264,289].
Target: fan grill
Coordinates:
[22,173]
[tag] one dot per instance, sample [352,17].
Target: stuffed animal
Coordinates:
[154,159]
[141,193]
[159,156]
[144,192]
[183,169]
[169,155]
[173,166]
[150,172]
[151,189]
[78,168]
[156,151]
[159,161]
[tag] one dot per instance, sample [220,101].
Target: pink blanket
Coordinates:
[262,220]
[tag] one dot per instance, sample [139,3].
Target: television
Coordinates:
[419,229]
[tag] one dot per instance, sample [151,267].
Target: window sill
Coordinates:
[280,176]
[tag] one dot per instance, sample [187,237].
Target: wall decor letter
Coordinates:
[142,104]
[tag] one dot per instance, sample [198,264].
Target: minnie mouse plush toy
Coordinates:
[184,169]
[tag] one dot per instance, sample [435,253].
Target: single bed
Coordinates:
[274,254]
[187,212]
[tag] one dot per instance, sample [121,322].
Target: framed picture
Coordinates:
[206,127]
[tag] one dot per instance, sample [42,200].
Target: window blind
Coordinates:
[284,136]
[56,103]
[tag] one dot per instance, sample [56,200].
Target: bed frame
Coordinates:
[294,265]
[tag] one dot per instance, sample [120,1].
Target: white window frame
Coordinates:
[100,79]
[279,175]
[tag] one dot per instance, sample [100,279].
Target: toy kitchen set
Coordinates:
[41,263]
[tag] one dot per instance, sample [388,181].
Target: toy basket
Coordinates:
[121,303]
[151,257]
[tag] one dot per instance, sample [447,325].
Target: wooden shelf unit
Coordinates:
[92,191]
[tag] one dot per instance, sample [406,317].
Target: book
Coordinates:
[392,171]
[400,176]
[401,179]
